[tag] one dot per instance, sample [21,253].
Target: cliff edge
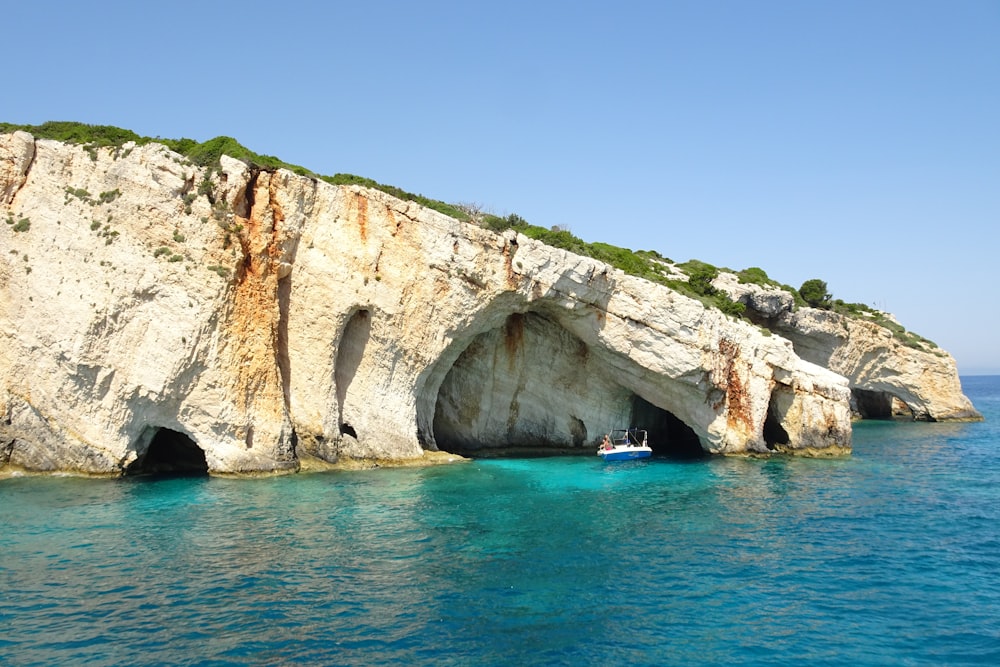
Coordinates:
[891,372]
[157,315]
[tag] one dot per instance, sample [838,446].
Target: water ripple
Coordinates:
[888,557]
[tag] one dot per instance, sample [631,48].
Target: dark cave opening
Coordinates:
[170,453]
[669,437]
[774,433]
[531,387]
[878,405]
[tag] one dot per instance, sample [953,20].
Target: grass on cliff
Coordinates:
[207,154]
[647,264]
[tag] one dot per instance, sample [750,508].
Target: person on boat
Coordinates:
[607,443]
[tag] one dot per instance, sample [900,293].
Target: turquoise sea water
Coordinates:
[890,556]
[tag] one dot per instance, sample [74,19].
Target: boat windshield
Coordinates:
[626,437]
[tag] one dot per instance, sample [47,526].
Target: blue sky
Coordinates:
[855,142]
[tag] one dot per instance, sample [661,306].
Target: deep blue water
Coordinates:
[890,556]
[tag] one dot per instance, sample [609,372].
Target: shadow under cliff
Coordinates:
[169,454]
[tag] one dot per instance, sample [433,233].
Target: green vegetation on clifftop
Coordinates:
[646,264]
[207,154]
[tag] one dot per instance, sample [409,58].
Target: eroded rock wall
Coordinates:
[274,319]
[882,368]
[923,378]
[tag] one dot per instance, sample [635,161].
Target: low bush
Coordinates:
[647,264]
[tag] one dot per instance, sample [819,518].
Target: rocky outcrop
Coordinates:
[889,375]
[157,315]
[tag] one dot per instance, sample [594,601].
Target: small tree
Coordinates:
[700,276]
[815,294]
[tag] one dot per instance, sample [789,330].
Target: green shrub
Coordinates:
[646,264]
[730,307]
[79,193]
[754,276]
[495,223]
[22,225]
[700,276]
[78,133]
[450,210]
[815,294]
[205,187]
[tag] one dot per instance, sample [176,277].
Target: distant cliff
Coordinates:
[159,315]
[892,373]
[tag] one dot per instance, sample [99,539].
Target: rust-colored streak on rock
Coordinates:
[275,250]
[394,224]
[253,318]
[512,279]
[513,336]
[737,399]
[359,205]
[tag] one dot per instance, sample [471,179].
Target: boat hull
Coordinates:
[624,454]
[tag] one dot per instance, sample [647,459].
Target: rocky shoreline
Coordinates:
[257,321]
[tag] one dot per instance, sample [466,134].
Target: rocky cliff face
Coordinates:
[156,315]
[888,375]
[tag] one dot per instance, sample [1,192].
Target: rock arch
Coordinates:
[872,404]
[166,451]
[530,384]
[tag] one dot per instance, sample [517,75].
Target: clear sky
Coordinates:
[853,141]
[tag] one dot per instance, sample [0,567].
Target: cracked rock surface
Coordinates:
[269,320]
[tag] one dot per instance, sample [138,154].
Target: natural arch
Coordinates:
[870,404]
[532,386]
[521,386]
[169,452]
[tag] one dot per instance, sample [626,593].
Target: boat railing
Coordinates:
[628,438]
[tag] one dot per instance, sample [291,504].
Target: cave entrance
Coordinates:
[170,453]
[532,387]
[879,405]
[350,352]
[668,436]
[528,387]
[774,433]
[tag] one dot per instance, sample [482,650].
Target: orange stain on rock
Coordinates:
[253,317]
[738,416]
[360,206]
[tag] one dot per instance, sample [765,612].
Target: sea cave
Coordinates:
[531,387]
[169,453]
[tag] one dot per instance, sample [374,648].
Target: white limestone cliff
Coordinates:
[888,374]
[265,321]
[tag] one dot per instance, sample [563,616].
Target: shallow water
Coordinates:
[890,556]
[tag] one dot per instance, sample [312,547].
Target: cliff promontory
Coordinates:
[157,315]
